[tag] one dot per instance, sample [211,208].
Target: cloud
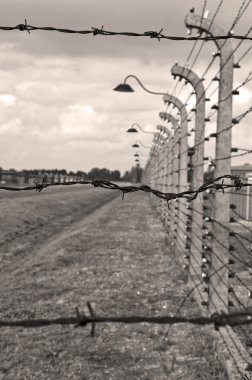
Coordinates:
[8,100]
[77,120]
[13,127]
[57,104]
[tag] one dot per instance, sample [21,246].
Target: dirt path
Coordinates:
[116,256]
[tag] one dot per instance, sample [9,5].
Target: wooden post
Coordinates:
[218,289]
[195,266]
[182,143]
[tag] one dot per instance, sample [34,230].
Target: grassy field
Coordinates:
[64,247]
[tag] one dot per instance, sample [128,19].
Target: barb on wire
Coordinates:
[188,194]
[241,317]
[235,121]
[240,13]
[24,26]
[153,34]
[100,31]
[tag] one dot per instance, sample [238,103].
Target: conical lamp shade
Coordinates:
[123,87]
[132,130]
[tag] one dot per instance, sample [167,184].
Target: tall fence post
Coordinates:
[221,211]
[168,211]
[157,169]
[239,360]
[160,144]
[197,260]
[165,166]
[153,172]
[182,170]
[173,176]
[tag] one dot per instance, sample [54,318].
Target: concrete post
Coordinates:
[161,148]
[182,170]
[195,267]
[221,212]
[170,221]
[167,169]
[164,186]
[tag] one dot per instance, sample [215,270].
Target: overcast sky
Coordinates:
[57,107]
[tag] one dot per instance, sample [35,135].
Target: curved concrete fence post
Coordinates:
[221,211]
[160,143]
[165,215]
[172,168]
[181,141]
[195,263]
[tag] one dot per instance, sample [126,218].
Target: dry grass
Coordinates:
[118,259]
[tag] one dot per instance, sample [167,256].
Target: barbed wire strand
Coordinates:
[237,318]
[101,31]
[223,225]
[202,44]
[238,258]
[217,256]
[239,15]
[189,194]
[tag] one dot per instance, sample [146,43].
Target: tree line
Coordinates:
[132,175]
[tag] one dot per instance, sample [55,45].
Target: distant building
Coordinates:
[242,199]
[244,171]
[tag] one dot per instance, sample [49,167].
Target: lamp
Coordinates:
[124,87]
[134,130]
[139,152]
[136,145]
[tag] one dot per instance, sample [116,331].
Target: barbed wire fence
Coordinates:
[208,234]
[202,218]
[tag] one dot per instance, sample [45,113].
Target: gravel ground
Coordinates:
[60,249]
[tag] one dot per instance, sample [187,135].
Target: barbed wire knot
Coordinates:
[219,186]
[97,31]
[96,183]
[92,316]
[219,319]
[238,184]
[40,186]
[23,27]
[154,34]
[83,320]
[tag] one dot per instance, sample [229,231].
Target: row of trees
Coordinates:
[133,175]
